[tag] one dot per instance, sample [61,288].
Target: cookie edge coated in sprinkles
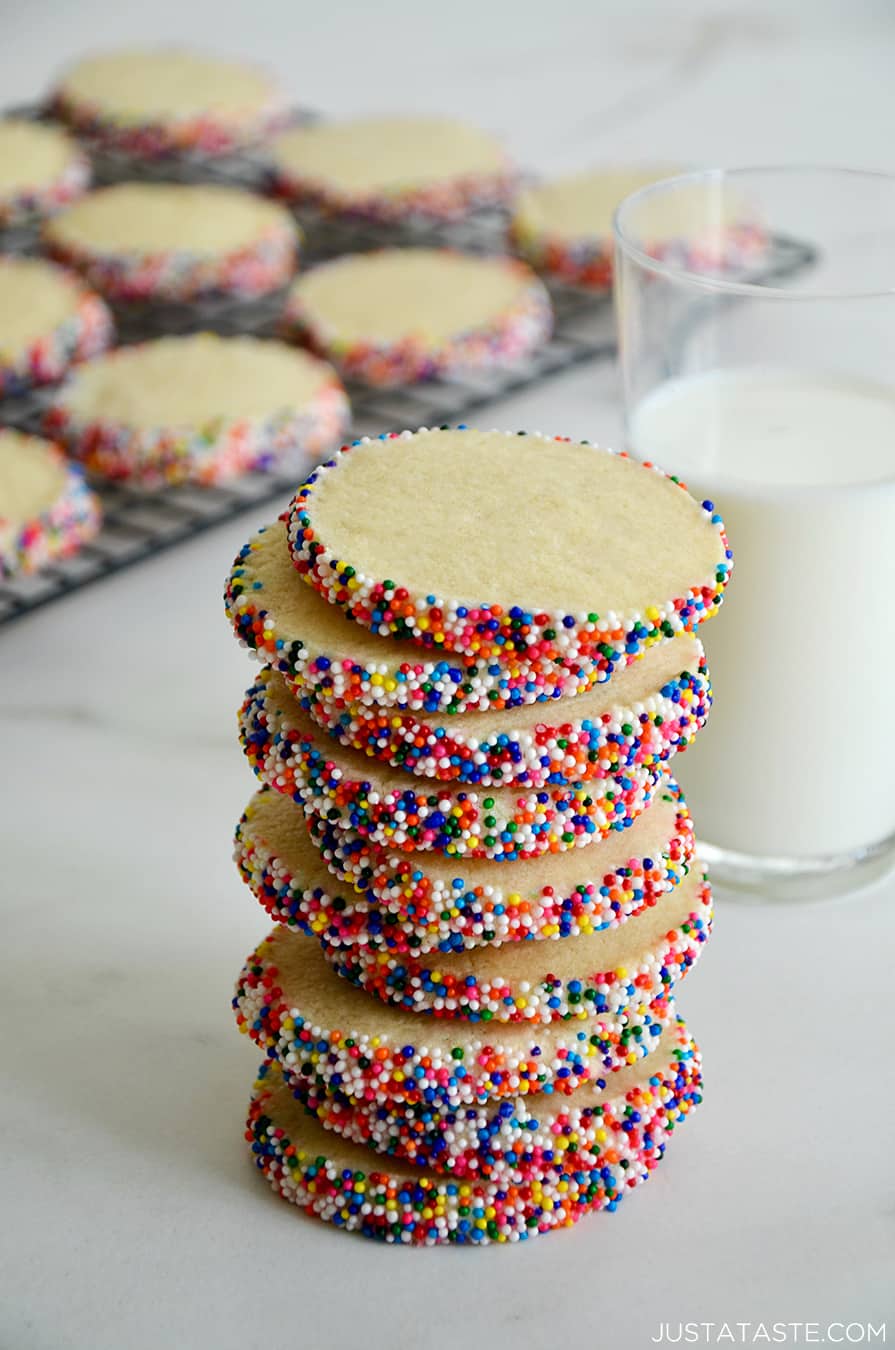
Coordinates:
[430,683]
[458,822]
[551,1057]
[508,335]
[442,623]
[394,907]
[396,1207]
[488,1139]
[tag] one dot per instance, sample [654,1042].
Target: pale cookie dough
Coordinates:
[320,1028]
[332,883]
[201,408]
[618,970]
[604,1123]
[572,1160]
[395,809]
[41,170]
[397,316]
[151,102]
[392,169]
[48,321]
[489,543]
[321,653]
[46,509]
[564,228]
[176,241]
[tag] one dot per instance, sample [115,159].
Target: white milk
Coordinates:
[797,759]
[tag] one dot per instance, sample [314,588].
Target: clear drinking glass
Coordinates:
[756,315]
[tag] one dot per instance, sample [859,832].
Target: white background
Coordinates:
[131,1216]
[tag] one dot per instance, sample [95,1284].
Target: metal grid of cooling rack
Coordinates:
[138,523]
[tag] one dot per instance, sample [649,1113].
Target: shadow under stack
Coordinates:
[480,659]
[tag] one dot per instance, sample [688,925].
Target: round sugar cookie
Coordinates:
[41,170]
[320,1028]
[339,1181]
[201,408]
[564,227]
[648,712]
[397,316]
[423,903]
[46,509]
[392,808]
[392,169]
[612,1122]
[616,970]
[150,102]
[176,241]
[633,558]
[48,321]
[320,652]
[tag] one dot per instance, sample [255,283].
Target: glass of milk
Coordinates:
[756,313]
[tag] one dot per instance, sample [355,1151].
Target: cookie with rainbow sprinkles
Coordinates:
[331,882]
[395,809]
[41,170]
[48,321]
[605,1123]
[615,970]
[321,1028]
[199,408]
[494,545]
[321,653]
[398,316]
[648,712]
[563,227]
[47,511]
[593,1155]
[176,241]
[392,170]
[153,102]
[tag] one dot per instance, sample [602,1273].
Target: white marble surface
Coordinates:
[131,1216]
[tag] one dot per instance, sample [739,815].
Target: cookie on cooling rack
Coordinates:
[564,227]
[200,408]
[392,169]
[46,509]
[175,241]
[48,321]
[396,316]
[150,102]
[41,170]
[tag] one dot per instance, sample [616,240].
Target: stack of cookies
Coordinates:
[480,660]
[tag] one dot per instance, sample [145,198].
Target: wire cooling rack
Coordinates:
[139,523]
